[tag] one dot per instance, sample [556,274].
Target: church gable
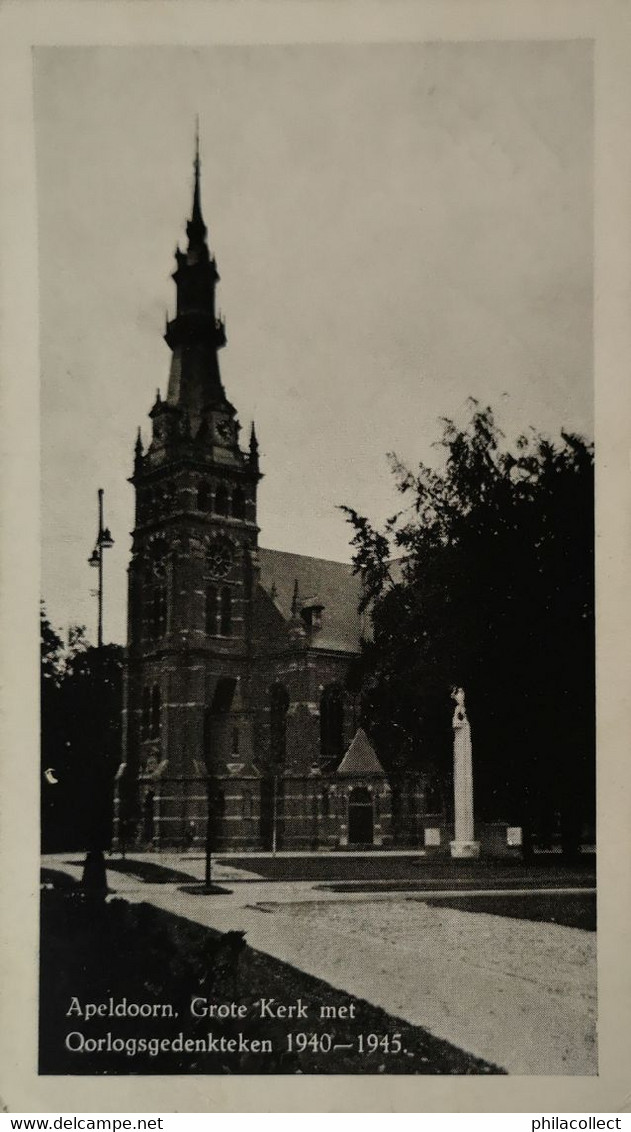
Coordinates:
[361,758]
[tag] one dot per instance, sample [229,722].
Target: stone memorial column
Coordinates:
[463,844]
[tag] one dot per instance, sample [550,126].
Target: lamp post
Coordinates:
[274,811]
[94,878]
[104,541]
[209,832]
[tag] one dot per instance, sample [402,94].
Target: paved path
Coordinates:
[518,993]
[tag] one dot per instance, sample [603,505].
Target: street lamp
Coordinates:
[210,817]
[104,541]
[94,878]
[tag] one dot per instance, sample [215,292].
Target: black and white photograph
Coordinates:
[317,454]
[318,751]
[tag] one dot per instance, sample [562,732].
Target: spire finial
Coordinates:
[139,443]
[197,208]
[196,229]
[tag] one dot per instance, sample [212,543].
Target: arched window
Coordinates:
[203,497]
[279,704]
[212,610]
[145,729]
[156,709]
[159,611]
[332,723]
[221,500]
[226,612]
[238,503]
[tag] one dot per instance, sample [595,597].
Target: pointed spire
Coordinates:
[138,454]
[297,630]
[194,334]
[196,229]
[197,208]
[254,449]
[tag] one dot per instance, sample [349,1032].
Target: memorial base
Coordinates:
[465,849]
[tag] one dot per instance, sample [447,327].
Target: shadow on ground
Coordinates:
[201,890]
[148,871]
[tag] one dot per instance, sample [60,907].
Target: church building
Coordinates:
[236,710]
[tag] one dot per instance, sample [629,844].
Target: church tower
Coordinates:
[193,571]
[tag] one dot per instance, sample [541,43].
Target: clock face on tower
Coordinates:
[219,560]
[224,430]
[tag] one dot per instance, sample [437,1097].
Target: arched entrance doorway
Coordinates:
[360,816]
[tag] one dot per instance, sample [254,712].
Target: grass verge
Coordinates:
[320,867]
[573,911]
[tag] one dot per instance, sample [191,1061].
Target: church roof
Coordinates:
[337,589]
[361,757]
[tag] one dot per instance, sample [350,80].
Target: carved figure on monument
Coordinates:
[460,713]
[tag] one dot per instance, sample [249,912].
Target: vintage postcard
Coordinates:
[316,454]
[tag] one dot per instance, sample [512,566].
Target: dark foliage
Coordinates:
[81,705]
[486,580]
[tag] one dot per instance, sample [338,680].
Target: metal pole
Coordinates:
[207,878]
[94,876]
[100,552]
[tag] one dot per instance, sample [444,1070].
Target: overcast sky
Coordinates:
[397,227]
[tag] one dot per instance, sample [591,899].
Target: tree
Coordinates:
[51,649]
[81,705]
[486,580]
